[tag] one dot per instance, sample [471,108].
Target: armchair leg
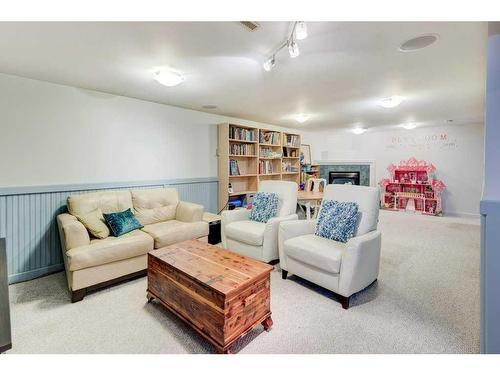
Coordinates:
[284,274]
[344,301]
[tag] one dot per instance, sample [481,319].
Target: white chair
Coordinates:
[343,268]
[255,239]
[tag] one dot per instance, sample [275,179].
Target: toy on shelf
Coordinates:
[412,186]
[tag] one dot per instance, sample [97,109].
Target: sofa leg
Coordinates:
[78,295]
[344,301]
[284,274]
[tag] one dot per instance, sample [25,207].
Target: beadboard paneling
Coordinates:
[28,220]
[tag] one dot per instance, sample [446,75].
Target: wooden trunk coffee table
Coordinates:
[221,294]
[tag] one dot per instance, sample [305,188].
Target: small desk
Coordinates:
[306,197]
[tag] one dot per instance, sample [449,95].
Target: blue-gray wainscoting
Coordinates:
[28,219]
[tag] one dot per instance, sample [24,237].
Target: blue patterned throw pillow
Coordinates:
[337,220]
[264,206]
[122,222]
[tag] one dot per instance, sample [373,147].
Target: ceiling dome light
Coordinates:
[358,131]
[409,126]
[391,102]
[168,77]
[293,49]
[269,64]
[302,117]
[418,43]
[301,30]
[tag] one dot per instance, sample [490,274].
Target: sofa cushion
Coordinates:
[109,250]
[107,202]
[123,222]
[173,231]
[94,222]
[246,231]
[155,205]
[316,251]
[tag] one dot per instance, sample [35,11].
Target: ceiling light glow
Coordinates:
[301,30]
[391,101]
[409,126]
[168,77]
[302,117]
[358,131]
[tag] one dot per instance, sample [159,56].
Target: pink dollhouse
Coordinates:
[412,186]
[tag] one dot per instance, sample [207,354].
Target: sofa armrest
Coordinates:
[189,212]
[291,229]
[360,263]
[73,233]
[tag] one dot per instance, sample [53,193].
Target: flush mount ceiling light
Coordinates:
[299,32]
[409,126]
[391,101]
[418,43]
[209,106]
[358,131]
[168,77]
[302,117]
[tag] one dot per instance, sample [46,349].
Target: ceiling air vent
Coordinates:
[250,25]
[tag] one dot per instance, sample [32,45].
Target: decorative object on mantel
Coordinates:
[413,187]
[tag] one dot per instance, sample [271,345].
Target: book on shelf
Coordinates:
[241,149]
[268,137]
[289,167]
[292,140]
[234,169]
[241,134]
[266,167]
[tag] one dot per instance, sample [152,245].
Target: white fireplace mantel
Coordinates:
[370,163]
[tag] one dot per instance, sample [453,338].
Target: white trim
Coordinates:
[370,163]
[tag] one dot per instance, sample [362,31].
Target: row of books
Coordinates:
[266,167]
[241,149]
[272,138]
[241,134]
[292,140]
[234,169]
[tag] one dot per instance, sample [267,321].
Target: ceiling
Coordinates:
[341,73]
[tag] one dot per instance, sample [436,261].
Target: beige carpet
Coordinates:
[426,300]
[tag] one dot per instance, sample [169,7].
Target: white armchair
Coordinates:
[255,239]
[344,268]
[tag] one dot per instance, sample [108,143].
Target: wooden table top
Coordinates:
[309,195]
[219,269]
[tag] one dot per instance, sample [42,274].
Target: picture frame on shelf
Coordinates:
[305,154]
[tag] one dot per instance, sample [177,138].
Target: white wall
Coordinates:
[456,151]
[54,134]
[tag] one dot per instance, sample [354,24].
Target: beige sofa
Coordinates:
[93,263]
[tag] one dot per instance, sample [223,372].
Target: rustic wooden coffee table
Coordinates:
[221,294]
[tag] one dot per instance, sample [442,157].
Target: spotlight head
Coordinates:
[301,30]
[269,64]
[293,49]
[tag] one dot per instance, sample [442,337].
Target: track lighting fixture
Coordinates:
[299,32]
